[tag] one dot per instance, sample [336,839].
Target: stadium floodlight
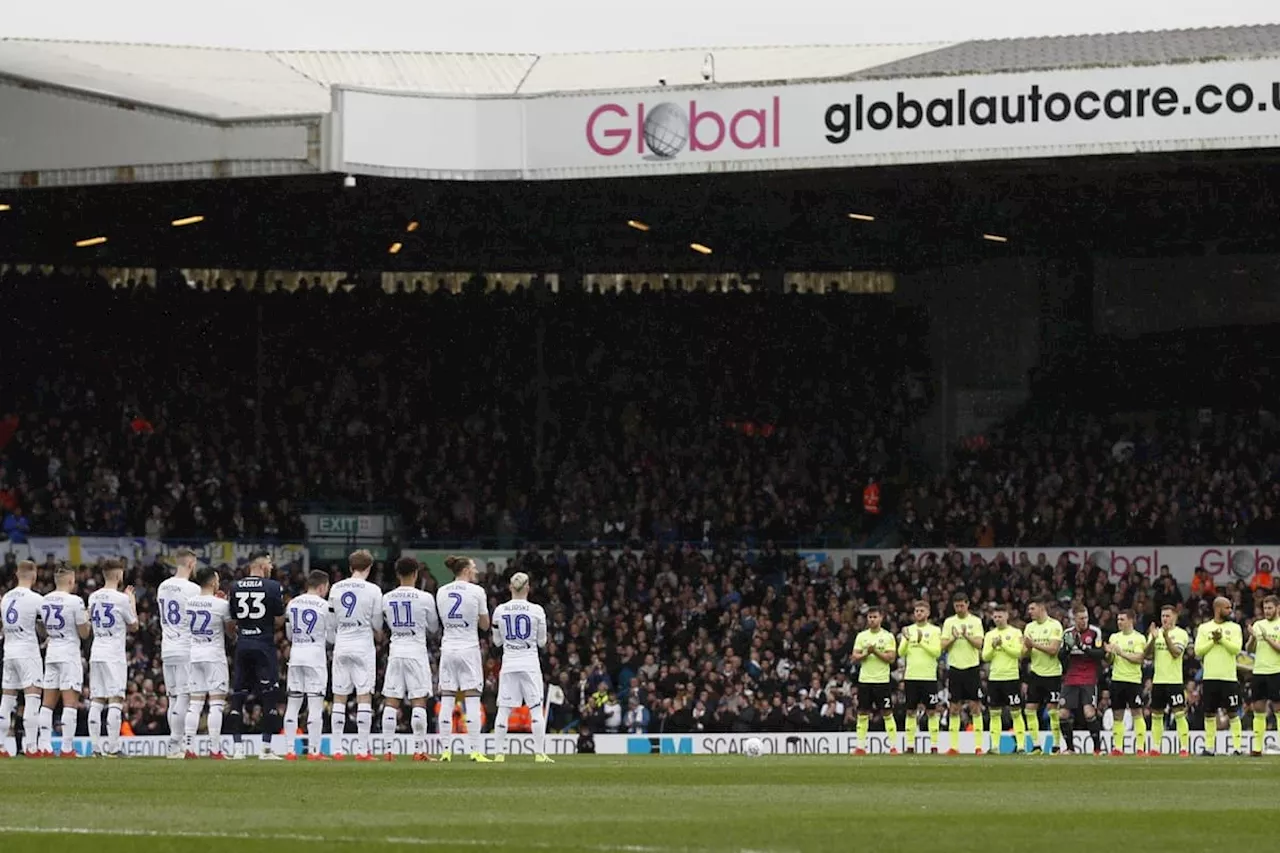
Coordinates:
[637,224]
[349,181]
[395,248]
[412,226]
[90,241]
[187,220]
[995,238]
[4,207]
[862,217]
[700,249]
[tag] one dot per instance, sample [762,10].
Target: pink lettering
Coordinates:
[1213,561]
[622,135]
[759,138]
[695,121]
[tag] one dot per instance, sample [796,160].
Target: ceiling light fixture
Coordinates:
[187,220]
[637,224]
[862,217]
[412,226]
[395,248]
[91,241]
[700,249]
[995,238]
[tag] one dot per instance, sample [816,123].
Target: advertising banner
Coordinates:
[837,743]
[86,550]
[1069,112]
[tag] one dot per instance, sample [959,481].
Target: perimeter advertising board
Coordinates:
[1072,112]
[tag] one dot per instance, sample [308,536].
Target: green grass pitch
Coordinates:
[634,804]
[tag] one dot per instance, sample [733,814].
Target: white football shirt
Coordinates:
[357,614]
[172,597]
[410,616]
[62,614]
[110,615]
[207,617]
[520,627]
[310,626]
[19,610]
[461,605]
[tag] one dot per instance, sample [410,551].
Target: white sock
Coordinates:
[419,730]
[69,730]
[95,725]
[292,710]
[500,730]
[115,716]
[364,725]
[46,730]
[31,724]
[338,725]
[7,704]
[215,724]
[389,718]
[315,723]
[192,724]
[472,706]
[178,706]
[444,725]
[538,722]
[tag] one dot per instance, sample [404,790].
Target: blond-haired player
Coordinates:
[66,622]
[520,628]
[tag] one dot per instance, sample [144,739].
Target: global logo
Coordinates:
[665,130]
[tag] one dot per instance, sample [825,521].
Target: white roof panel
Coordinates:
[451,73]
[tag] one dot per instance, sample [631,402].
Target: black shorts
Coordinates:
[257,670]
[1168,697]
[1004,694]
[921,693]
[1220,696]
[875,697]
[1076,696]
[1126,694]
[1044,689]
[964,685]
[1265,688]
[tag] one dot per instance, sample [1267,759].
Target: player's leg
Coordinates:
[1210,702]
[338,721]
[1139,721]
[500,726]
[537,718]
[217,702]
[315,726]
[243,675]
[1055,720]
[911,712]
[471,686]
[293,710]
[448,698]
[8,703]
[117,678]
[390,719]
[1258,695]
[890,721]
[48,704]
[953,724]
[1031,714]
[269,695]
[419,725]
[1158,709]
[979,730]
[191,727]
[1236,722]
[364,709]
[97,704]
[70,715]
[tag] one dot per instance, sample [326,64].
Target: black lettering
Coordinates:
[1084,112]
[1275,95]
[880,115]
[1239,98]
[1202,102]
[1119,103]
[1010,118]
[940,112]
[1164,101]
[983,110]
[909,107]
[838,123]
[1057,106]
[1035,103]
[1143,94]
[961,97]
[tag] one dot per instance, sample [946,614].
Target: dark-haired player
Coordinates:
[464,613]
[356,604]
[410,617]
[1264,683]
[1042,638]
[257,607]
[1127,650]
[874,651]
[962,639]
[1003,649]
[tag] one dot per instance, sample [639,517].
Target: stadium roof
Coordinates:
[225,84]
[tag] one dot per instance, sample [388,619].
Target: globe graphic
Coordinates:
[666,130]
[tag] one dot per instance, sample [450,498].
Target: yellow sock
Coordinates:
[1184,731]
[1139,732]
[1237,728]
[935,726]
[1019,730]
[913,726]
[1259,730]
[1055,728]
[1033,726]
[977,730]
[1117,732]
[1157,732]
[891,729]
[953,732]
[864,723]
[1211,733]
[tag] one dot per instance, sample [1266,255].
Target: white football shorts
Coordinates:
[21,673]
[307,680]
[461,670]
[209,678]
[107,679]
[177,677]
[353,676]
[67,675]
[406,678]
[519,688]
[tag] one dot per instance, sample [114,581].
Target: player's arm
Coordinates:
[976,640]
[902,644]
[949,634]
[376,620]
[275,603]
[888,656]
[131,612]
[988,652]
[932,643]
[541,627]
[482,602]
[83,628]
[1233,641]
[430,615]
[496,632]
[1175,648]
[859,652]
[1204,640]
[228,624]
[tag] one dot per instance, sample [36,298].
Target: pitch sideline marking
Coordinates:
[406,841]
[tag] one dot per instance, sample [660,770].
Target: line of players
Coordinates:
[1078,651]
[195,618]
